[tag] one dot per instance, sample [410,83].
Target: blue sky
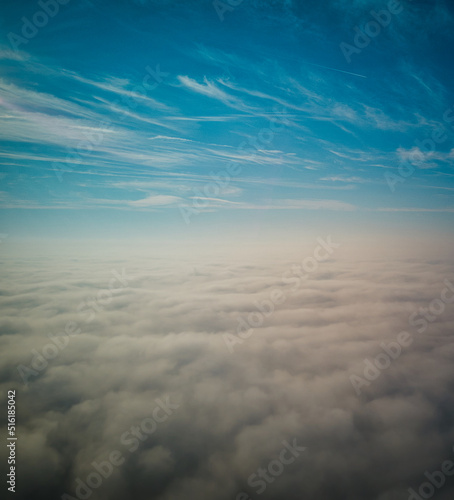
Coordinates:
[115,116]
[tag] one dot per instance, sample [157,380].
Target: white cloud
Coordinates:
[156,200]
[162,335]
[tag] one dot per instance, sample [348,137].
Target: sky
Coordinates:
[151,119]
[226,249]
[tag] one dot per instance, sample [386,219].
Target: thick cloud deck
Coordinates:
[145,399]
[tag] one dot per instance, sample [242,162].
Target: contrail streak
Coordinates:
[340,70]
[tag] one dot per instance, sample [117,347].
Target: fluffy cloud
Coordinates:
[159,337]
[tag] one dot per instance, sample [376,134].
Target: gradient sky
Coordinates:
[117,117]
[338,127]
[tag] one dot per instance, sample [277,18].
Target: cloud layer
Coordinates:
[160,336]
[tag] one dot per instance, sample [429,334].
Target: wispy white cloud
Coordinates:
[425,159]
[338,178]
[209,89]
[156,200]
[119,86]
[13,55]
[287,204]
[417,209]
